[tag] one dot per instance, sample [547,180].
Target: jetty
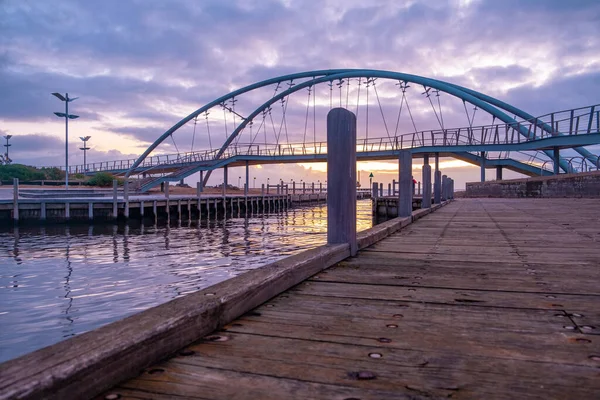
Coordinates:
[463,298]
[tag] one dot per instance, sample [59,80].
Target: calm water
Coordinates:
[56,282]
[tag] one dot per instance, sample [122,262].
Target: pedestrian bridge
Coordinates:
[282,120]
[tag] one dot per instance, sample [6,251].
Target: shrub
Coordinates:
[102,179]
[23,172]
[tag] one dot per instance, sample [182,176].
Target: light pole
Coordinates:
[67,117]
[85,149]
[7,137]
[254,183]
[239,181]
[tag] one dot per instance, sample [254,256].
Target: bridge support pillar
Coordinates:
[426,200]
[499,172]
[437,181]
[341,178]
[406,184]
[224,180]
[483,166]
[247,185]
[556,160]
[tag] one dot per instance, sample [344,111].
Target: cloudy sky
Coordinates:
[139,66]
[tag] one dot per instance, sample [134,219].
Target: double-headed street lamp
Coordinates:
[67,117]
[84,148]
[7,137]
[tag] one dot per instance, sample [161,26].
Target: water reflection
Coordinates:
[59,281]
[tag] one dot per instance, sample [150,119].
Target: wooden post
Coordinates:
[198,190]
[115,200]
[389,189]
[341,176]
[167,191]
[154,209]
[426,200]
[375,193]
[381,190]
[437,180]
[393,187]
[483,166]
[224,181]
[141,209]
[247,184]
[294,187]
[444,187]
[43,211]
[67,211]
[200,186]
[406,183]
[90,211]
[15,199]
[499,172]
[126,197]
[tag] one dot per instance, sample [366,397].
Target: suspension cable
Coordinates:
[381,110]
[208,129]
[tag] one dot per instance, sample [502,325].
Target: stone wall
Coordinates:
[567,185]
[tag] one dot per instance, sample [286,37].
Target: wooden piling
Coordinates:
[406,183]
[341,176]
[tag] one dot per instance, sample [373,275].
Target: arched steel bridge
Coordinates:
[282,120]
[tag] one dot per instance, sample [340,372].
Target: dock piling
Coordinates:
[406,184]
[341,176]
[16,199]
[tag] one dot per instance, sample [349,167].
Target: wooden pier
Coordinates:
[486,298]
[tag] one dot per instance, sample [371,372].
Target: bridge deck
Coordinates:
[485,298]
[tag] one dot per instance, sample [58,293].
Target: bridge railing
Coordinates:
[579,121]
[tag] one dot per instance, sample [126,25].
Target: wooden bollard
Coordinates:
[444,194]
[437,187]
[15,199]
[115,200]
[406,184]
[426,201]
[341,176]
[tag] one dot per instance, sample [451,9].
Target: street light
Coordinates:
[67,117]
[85,149]
[7,137]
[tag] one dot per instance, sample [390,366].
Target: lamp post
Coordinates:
[7,137]
[85,149]
[67,117]
[239,181]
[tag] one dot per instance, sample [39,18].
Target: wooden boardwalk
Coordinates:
[486,298]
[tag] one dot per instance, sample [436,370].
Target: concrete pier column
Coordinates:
[483,166]
[224,181]
[406,183]
[115,212]
[247,185]
[341,176]
[499,172]
[556,160]
[426,201]
[437,180]
[16,199]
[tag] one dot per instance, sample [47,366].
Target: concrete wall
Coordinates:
[567,185]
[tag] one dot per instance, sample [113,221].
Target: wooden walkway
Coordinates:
[486,298]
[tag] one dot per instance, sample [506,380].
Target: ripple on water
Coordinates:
[60,281]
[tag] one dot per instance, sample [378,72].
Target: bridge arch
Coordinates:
[489,104]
